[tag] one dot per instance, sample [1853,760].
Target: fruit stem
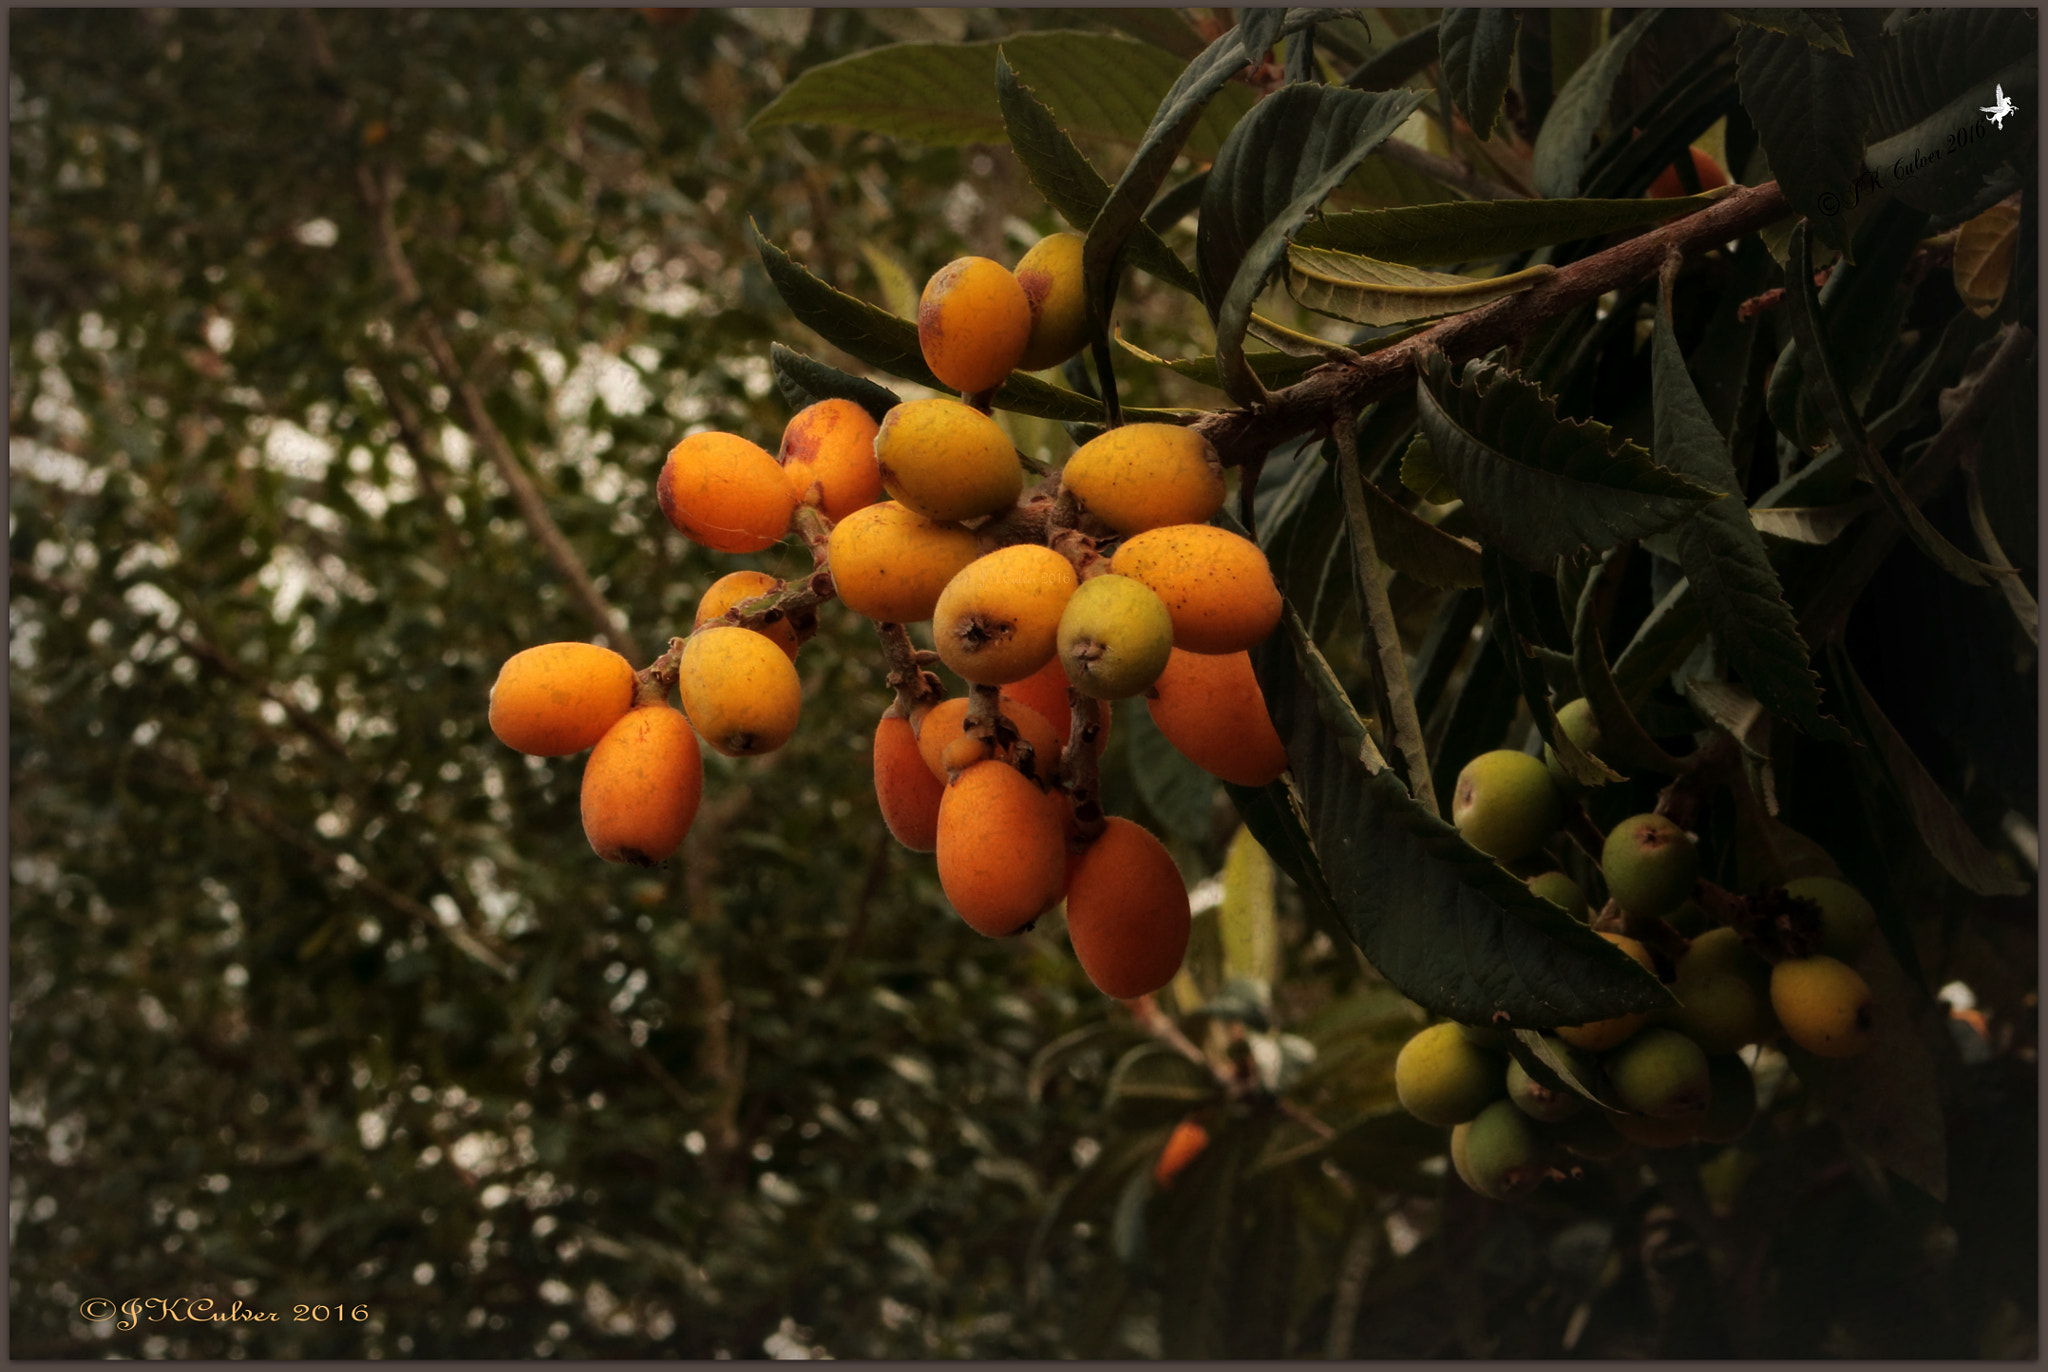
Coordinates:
[652,683]
[913,685]
[1078,766]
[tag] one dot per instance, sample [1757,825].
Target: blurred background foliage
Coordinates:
[319,996]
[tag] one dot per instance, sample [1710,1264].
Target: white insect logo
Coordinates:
[1997,113]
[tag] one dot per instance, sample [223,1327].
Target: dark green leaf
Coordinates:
[1179,794]
[1723,554]
[1394,64]
[1477,49]
[805,381]
[1098,86]
[1842,419]
[1274,369]
[1818,27]
[1567,134]
[1935,818]
[1446,924]
[1509,597]
[1273,814]
[1930,81]
[1808,106]
[1553,1063]
[1414,547]
[1365,290]
[1278,164]
[1480,230]
[1663,641]
[1068,181]
[1622,735]
[1539,488]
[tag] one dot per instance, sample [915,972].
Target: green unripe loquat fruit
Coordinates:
[1505,804]
[1650,864]
[1560,890]
[1581,727]
[1442,1079]
[1846,918]
[1115,637]
[1538,1101]
[1502,1155]
[1660,1073]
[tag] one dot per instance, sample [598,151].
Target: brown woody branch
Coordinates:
[1243,435]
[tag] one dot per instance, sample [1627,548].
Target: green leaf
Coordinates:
[1422,474]
[1068,181]
[1153,1084]
[1274,369]
[1179,794]
[1476,49]
[1807,104]
[1934,815]
[1274,816]
[1803,310]
[1414,547]
[1566,137]
[1442,921]
[1287,155]
[1954,161]
[1246,920]
[1539,488]
[1480,230]
[1887,1100]
[1367,291]
[1553,1063]
[1098,86]
[1509,597]
[1819,28]
[805,381]
[1662,643]
[1722,552]
[1174,119]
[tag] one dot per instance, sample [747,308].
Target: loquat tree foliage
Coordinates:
[1391,716]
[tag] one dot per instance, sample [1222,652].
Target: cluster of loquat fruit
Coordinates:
[1103,581]
[1743,971]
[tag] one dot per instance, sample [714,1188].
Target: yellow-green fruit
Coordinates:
[1731,1103]
[1114,637]
[973,322]
[1050,273]
[1722,1003]
[890,563]
[1216,584]
[1442,1078]
[559,698]
[1146,476]
[1825,1006]
[947,460]
[1650,864]
[1579,725]
[1846,918]
[1660,1073]
[1601,1035]
[1538,1101]
[998,620]
[1505,804]
[1560,890]
[740,690]
[1502,1153]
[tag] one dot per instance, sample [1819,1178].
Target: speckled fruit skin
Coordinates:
[1127,911]
[947,460]
[943,723]
[559,698]
[1114,637]
[735,587]
[1146,476]
[1050,273]
[890,563]
[1505,805]
[1601,1035]
[1002,852]
[1825,1006]
[831,445]
[905,789]
[1441,1077]
[1650,864]
[641,786]
[726,493]
[973,322]
[1210,708]
[998,620]
[741,692]
[1216,584]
